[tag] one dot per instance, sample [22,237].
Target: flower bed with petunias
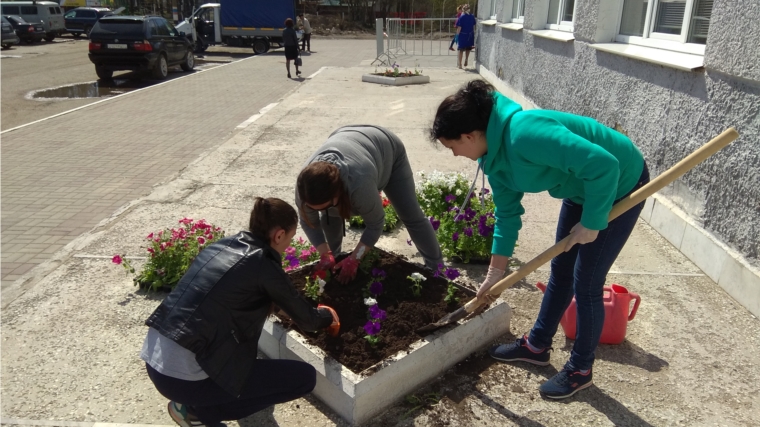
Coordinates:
[170,253]
[466,235]
[391,218]
[380,309]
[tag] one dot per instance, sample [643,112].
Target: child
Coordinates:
[200,351]
[456,36]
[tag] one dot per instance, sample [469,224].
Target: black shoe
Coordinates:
[288,75]
[566,383]
[519,351]
[298,73]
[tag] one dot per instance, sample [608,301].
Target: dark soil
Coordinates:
[405,312]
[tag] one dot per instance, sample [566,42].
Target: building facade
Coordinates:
[671,74]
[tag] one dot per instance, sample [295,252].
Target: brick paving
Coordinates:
[62,176]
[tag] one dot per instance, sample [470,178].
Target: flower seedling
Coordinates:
[391,217]
[171,253]
[314,286]
[372,327]
[417,280]
[369,259]
[298,253]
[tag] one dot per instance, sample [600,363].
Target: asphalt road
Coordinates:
[30,68]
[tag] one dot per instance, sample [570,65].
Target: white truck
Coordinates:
[239,23]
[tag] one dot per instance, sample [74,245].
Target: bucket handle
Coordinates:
[635,305]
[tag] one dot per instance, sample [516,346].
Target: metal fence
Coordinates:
[416,37]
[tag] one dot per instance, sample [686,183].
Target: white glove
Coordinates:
[493,277]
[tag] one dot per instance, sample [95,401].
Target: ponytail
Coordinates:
[468,110]
[269,214]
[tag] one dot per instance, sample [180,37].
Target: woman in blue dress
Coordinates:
[465,35]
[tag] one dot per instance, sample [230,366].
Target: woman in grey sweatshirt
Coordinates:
[343,178]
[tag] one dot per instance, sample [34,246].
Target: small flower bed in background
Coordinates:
[171,253]
[391,218]
[465,235]
[299,253]
[395,71]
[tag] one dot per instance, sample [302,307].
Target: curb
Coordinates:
[50,423]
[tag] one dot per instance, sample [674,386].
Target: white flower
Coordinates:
[418,277]
[322,284]
[458,192]
[370,301]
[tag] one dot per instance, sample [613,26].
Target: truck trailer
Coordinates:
[239,23]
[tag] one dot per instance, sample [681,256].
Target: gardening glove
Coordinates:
[334,328]
[492,278]
[347,269]
[326,261]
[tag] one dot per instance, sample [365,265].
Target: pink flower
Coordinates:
[201,241]
[305,255]
[151,251]
[186,221]
[116,259]
[301,241]
[150,236]
[290,250]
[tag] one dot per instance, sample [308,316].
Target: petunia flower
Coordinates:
[370,301]
[450,198]
[451,273]
[201,241]
[435,223]
[455,236]
[417,276]
[468,231]
[372,328]
[290,250]
[116,259]
[378,273]
[377,313]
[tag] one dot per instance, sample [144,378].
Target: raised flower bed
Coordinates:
[395,77]
[378,358]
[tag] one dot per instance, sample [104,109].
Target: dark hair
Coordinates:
[319,183]
[300,15]
[289,23]
[269,214]
[463,112]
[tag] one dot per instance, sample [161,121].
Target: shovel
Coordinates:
[634,199]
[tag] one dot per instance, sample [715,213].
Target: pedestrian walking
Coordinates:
[343,178]
[200,350]
[456,36]
[290,40]
[306,27]
[465,35]
[574,158]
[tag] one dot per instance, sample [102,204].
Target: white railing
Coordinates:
[415,37]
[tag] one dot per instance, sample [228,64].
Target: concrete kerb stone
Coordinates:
[48,423]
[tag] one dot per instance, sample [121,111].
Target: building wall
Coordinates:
[667,112]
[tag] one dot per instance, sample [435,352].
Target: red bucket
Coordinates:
[617,303]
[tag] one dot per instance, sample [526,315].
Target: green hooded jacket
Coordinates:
[572,157]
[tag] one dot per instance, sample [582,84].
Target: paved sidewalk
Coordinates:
[62,176]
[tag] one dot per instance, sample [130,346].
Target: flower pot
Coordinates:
[395,81]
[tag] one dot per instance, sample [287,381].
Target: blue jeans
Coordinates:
[581,272]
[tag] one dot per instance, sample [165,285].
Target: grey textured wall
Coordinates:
[668,113]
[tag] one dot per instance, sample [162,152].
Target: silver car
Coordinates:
[9,35]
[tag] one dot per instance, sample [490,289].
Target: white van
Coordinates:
[47,12]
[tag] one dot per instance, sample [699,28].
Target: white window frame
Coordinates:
[653,39]
[493,10]
[518,19]
[563,25]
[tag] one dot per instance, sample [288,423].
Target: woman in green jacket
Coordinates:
[574,158]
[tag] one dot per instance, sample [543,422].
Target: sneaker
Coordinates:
[180,415]
[566,383]
[519,351]
[451,49]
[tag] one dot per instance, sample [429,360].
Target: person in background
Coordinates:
[306,40]
[290,40]
[343,178]
[454,40]
[465,35]
[575,158]
[200,350]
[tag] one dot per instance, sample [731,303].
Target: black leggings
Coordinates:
[270,382]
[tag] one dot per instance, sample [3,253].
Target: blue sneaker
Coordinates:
[566,383]
[519,351]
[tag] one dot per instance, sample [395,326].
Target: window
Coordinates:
[70,15]
[518,10]
[560,15]
[11,10]
[492,15]
[161,28]
[57,10]
[28,10]
[669,24]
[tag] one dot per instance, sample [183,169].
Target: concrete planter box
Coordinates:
[395,81]
[359,397]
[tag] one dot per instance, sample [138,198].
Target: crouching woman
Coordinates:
[200,351]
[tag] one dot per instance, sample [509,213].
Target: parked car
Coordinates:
[9,35]
[47,13]
[26,31]
[81,20]
[138,43]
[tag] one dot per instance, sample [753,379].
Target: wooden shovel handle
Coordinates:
[622,206]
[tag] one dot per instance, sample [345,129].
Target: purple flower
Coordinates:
[377,313]
[452,273]
[371,328]
[435,223]
[376,288]
[485,191]
[472,195]
[409,242]
[458,218]
[455,236]
[468,231]
[439,270]
[378,272]
[292,260]
[450,198]
[469,214]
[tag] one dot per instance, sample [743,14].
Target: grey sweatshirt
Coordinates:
[365,156]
